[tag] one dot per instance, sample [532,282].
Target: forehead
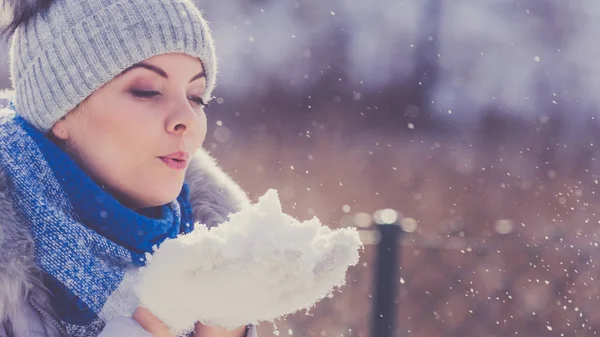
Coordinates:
[176,61]
[175,66]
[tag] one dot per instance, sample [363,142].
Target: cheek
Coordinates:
[202,127]
[125,125]
[116,138]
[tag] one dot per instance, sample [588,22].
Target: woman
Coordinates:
[101,160]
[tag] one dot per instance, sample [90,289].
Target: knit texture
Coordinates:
[65,53]
[87,244]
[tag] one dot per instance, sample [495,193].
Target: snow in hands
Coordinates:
[260,265]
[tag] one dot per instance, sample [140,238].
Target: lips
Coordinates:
[177,160]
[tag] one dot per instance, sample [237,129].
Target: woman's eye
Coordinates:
[145,94]
[197,100]
[155,94]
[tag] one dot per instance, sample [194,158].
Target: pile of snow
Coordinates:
[260,265]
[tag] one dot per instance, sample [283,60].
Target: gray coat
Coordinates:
[24,305]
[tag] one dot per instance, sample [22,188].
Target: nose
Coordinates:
[184,119]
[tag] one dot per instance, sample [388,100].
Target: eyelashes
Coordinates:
[145,94]
[198,100]
[149,94]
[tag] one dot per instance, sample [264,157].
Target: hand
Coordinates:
[150,323]
[202,330]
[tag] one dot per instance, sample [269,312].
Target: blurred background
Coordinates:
[477,120]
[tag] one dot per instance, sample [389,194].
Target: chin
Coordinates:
[168,194]
[152,194]
[154,202]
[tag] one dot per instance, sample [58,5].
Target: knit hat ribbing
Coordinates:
[62,55]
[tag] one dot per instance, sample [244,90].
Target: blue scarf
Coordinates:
[88,245]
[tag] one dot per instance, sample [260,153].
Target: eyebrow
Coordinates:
[159,71]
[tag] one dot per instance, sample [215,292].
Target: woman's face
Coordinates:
[136,134]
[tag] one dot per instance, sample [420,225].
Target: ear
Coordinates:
[60,129]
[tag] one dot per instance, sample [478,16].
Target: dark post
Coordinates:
[386,280]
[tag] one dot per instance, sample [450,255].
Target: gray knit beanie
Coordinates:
[66,52]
